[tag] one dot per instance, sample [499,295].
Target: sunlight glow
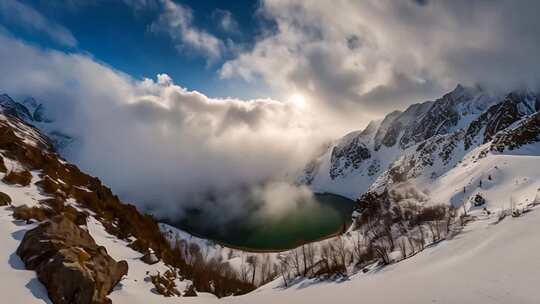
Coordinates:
[298,100]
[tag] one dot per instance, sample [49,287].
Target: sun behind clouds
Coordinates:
[298,100]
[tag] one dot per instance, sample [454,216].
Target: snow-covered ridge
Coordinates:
[426,140]
[37,187]
[36,114]
[500,165]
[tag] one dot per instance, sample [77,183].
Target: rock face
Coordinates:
[524,133]
[348,156]
[70,263]
[4,199]
[426,140]
[500,116]
[35,113]
[150,257]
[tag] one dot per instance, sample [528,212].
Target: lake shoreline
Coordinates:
[317,222]
[341,231]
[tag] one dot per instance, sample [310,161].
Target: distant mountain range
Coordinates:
[470,149]
[429,142]
[35,113]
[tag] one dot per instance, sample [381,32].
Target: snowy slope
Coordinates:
[423,143]
[466,269]
[353,163]
[486,264]
[452,149]
[23,285]
[499,178]
[134,288]
[18,284]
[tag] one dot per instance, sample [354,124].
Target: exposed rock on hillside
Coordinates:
[69,263]
[50,186]
[348,156]
[425,141]
[526,132]
[500,116]
[4,199]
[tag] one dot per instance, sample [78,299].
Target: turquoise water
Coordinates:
[302,223]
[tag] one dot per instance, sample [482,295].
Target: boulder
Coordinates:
[22,178]
[190,291]
[4,199]
[165,285]
[150,257]
[26,213]
[70,264]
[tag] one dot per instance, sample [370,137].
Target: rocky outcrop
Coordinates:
[426,140]
[165,284]
[26,213]
[22,178]
[150,257]
[69,263]
[348,156]
[75,195]
[4,199]
[527,132]
[500,116]
[444,115]
[33,112]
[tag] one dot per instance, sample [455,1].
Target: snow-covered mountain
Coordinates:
[471,150]
[431,141]
[66,238]
[35,113]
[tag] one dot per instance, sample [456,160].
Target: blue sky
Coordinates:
[344,57]
[119,34]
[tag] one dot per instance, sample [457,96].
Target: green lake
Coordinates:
[302,223]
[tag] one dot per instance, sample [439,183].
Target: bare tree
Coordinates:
[296,261]
[253,261]
[266,269]
[311,253]
[244,270]
[341,251]
[358,248]
[284,268]
[382,252]
[403,248]
[422,237]
[450,217]
[304,259]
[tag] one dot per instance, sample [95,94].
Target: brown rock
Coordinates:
[4,199]
[22,178]
[150,257]
[2,165]
[26,213]
[190,291]
[69,262]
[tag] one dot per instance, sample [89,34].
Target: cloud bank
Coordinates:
[372,56]
[159,145]
[335,66]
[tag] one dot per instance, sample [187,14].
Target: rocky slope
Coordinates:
[35,113]
[79,238]
[426,141]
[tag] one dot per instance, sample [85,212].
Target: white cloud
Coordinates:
[157,144]
[177,21]
[226,21]
[370,57]
[27,17]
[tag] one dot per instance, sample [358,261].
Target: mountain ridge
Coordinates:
[443,130]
